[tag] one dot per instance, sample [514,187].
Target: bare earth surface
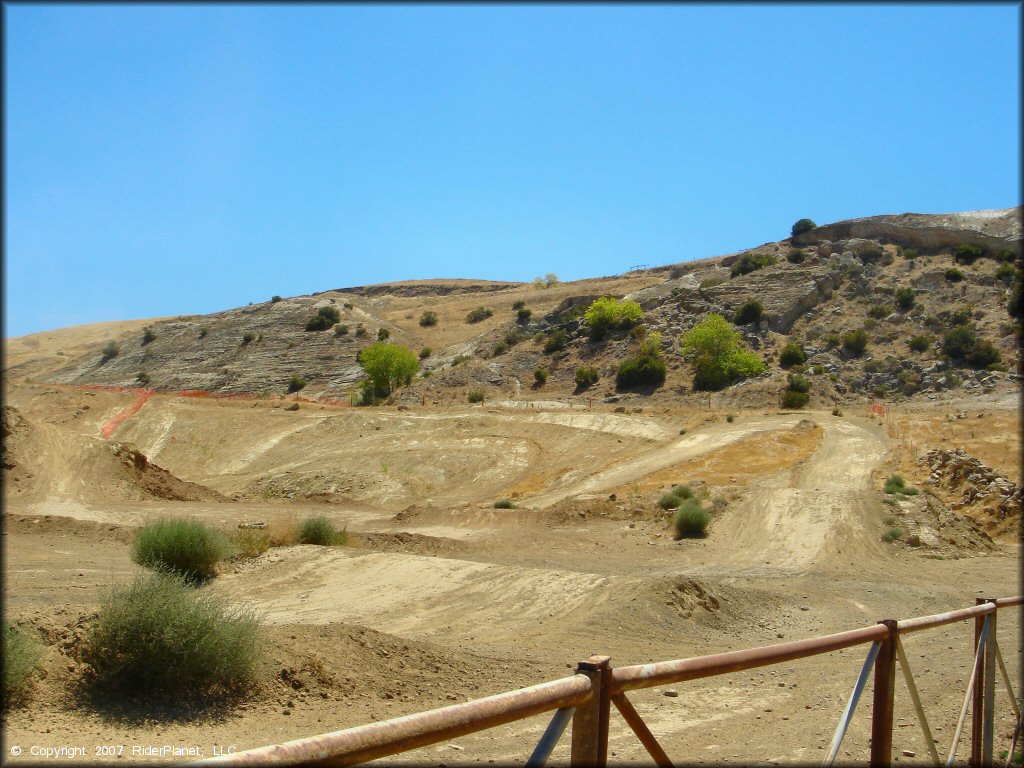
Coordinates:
[440,597]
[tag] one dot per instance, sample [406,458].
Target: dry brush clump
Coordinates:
[158,638]
[21,653]
[185,547]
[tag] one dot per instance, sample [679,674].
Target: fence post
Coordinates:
[882,700]
[990,689]
[978,704]
[590,722]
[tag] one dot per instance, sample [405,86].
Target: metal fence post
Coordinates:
[882,700]
[978,703]
[590,722]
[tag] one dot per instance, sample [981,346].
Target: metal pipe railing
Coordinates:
[368,742]
[665,672]
[588,695]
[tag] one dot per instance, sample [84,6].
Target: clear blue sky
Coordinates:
[179,159]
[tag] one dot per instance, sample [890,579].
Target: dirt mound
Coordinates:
[15,432]
[137,477]
[58,525]
[412,543]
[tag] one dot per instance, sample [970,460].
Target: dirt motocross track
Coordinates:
[440,597]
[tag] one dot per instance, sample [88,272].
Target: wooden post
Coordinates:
[978,703]
[882,701]
[590,722]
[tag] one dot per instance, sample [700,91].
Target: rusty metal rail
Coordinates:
[585,700]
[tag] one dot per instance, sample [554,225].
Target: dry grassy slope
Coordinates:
[805,302]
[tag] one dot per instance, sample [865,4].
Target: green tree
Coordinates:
[389,366]
[803,225]
[716,350]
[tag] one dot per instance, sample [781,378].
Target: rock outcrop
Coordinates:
[979,486]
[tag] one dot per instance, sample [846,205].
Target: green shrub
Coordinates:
[504,504]
[425,353]
[110,351]
[475,396]
[904,298]
[556,342]
[749,263]
[855,342]
[896,484]
[891,520]
[295,383]
[893,534]
[792,399]
[186,547]
[383,334]
[540,376]
[341,330]
[796,256]
[318,323]
[274,299]
[967,254]
[639,371]
[331,314]
[158,638]
[909,253]
[389,366]
[691,520]
[143,378]
[683,492]
[836,412]
[319,530]
[920,343]
[880,311]
[818,370]
[983,355]
[669,501]
[147,336]
[478,314]
[750,311]
[586,377]
[248,338]
[21,653]
[360,331]
[203,331]
[798,383]
[518,304]
[801,226]
[833,340]
[428,318]
[792,354]
[718,355]
[730,418]
[606,313]
[1006,272]
[954,275]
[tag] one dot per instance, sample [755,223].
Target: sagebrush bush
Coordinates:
[880,311]
[640,371]
[669,501]
[158,637]
[318,323]
[504,504]
[523,315]
[750,311]
[540,376]
[425,353]
[904,298]
[319,530]
[954,275]
[855,342]
[683,492]
[183,546]
[691,520]
[792,399]
[893,534]
[586,377]
[556,342]
[341,330]
[920,343]
[475,396]
[21,653]
[428,318]
[792,354]
[479,314]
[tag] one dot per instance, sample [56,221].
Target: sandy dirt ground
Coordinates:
[441,598]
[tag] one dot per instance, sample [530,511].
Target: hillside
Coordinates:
[847,276]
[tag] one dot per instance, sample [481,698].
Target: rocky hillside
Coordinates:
[895,277]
